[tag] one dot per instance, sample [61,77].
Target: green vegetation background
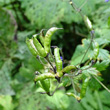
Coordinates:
[23,18]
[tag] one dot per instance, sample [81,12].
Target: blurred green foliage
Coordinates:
[23,18]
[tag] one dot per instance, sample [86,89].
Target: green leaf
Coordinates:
[94,85]
[5,79]
[90,99]
[104,95]
[105,33]
[80,51]
[61,101]
[90,70]
[102,41]
[86,105]
[104,54]
[61,11]
[29,99]
[66,81]
[109,21]
[30,66]
[102,66]
[98,100]
[7,23]
[2,2]
[23,52]
[6,102]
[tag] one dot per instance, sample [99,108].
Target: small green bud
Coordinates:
[88,23]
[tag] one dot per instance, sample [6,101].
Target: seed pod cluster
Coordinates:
[42,48]
[36,48]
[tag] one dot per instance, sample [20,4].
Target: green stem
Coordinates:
[50,64]
[103,46]
[55,89]
[92,36]
[73,86]
[92,33]
[101,84]
[83,4]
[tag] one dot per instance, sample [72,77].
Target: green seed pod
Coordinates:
[58,62]
[48,36]
[96,50]
[84,87]
[88,23]
[41,37]
[44,76]
[69,68]
[45,84]
[75,96]
[58,59]
[39,47]
[31,47]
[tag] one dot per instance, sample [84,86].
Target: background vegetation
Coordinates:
[23,18]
